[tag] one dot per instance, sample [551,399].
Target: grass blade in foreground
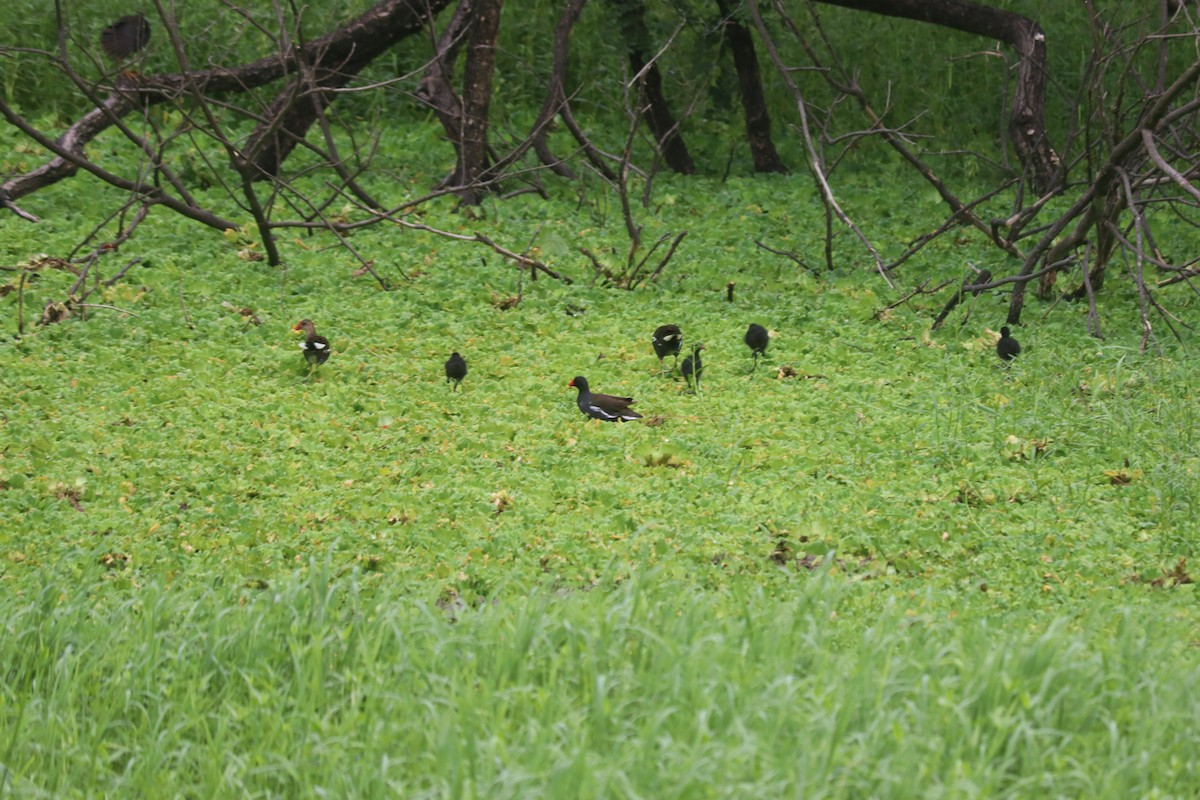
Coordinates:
[642,690]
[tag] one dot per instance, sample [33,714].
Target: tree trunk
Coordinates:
[290,115]
[632,19]
[554,104]
[556,95]
[754,104]
[326,67]
[477,96]
[1026,123]
[436,88]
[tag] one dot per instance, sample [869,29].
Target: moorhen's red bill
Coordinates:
[602,406]
[315,346]
[1007,347]
[125,37]
[692,366]
[757,339]
[666,340]
[456,369]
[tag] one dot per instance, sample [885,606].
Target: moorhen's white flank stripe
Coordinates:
[604,407]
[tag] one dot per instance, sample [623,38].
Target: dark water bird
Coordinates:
[456,369]
[692,367]
[605,407]
[125,37]
[315,346]
[666,340]
[756,339]
[1007,347]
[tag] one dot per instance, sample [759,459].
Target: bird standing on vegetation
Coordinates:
[1007,347]
[315,346]
[756,339]
[667,340]
[125,37]
[692,367]
[602,406]
[456,369]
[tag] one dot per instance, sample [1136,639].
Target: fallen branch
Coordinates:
[957,297]
[920,290]
[789,255]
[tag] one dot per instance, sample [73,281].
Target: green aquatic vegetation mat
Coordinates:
[881,546]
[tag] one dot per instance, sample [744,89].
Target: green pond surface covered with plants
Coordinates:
[884,564]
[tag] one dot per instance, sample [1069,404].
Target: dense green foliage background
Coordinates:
[955,83]
[882,561]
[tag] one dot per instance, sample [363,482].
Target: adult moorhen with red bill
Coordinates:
[606,407]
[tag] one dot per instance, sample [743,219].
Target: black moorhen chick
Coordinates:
[125,37]
[756,339]
[667,340]
[602,406]
[692,366]
[315,346]
[456,369]
[1007,347]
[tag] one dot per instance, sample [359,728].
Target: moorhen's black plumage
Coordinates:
[456,369]
[1007,347]
[602,406]
[315,346]
[692,366]
[757,339]
[667,340]
[125,37]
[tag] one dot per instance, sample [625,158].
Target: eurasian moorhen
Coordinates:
[602,406]
[757,339]
[1007,347]
[125,37]
[315,346]
[692,366]
[456,369]
[667,340]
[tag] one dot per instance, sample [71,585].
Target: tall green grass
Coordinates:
[318,687]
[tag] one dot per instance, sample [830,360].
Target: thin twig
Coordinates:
[789,255]
[183,304]
[110,308]
[21,304]
[1174,174]
[122,272]
[1093,317]
[921,289]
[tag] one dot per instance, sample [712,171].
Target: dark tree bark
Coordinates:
[329,64]
[657,112]
[436,88]
[1026,124]
[554,104]
[477,96]
[754,104]
[556,94]
[983,277]
[376,30]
